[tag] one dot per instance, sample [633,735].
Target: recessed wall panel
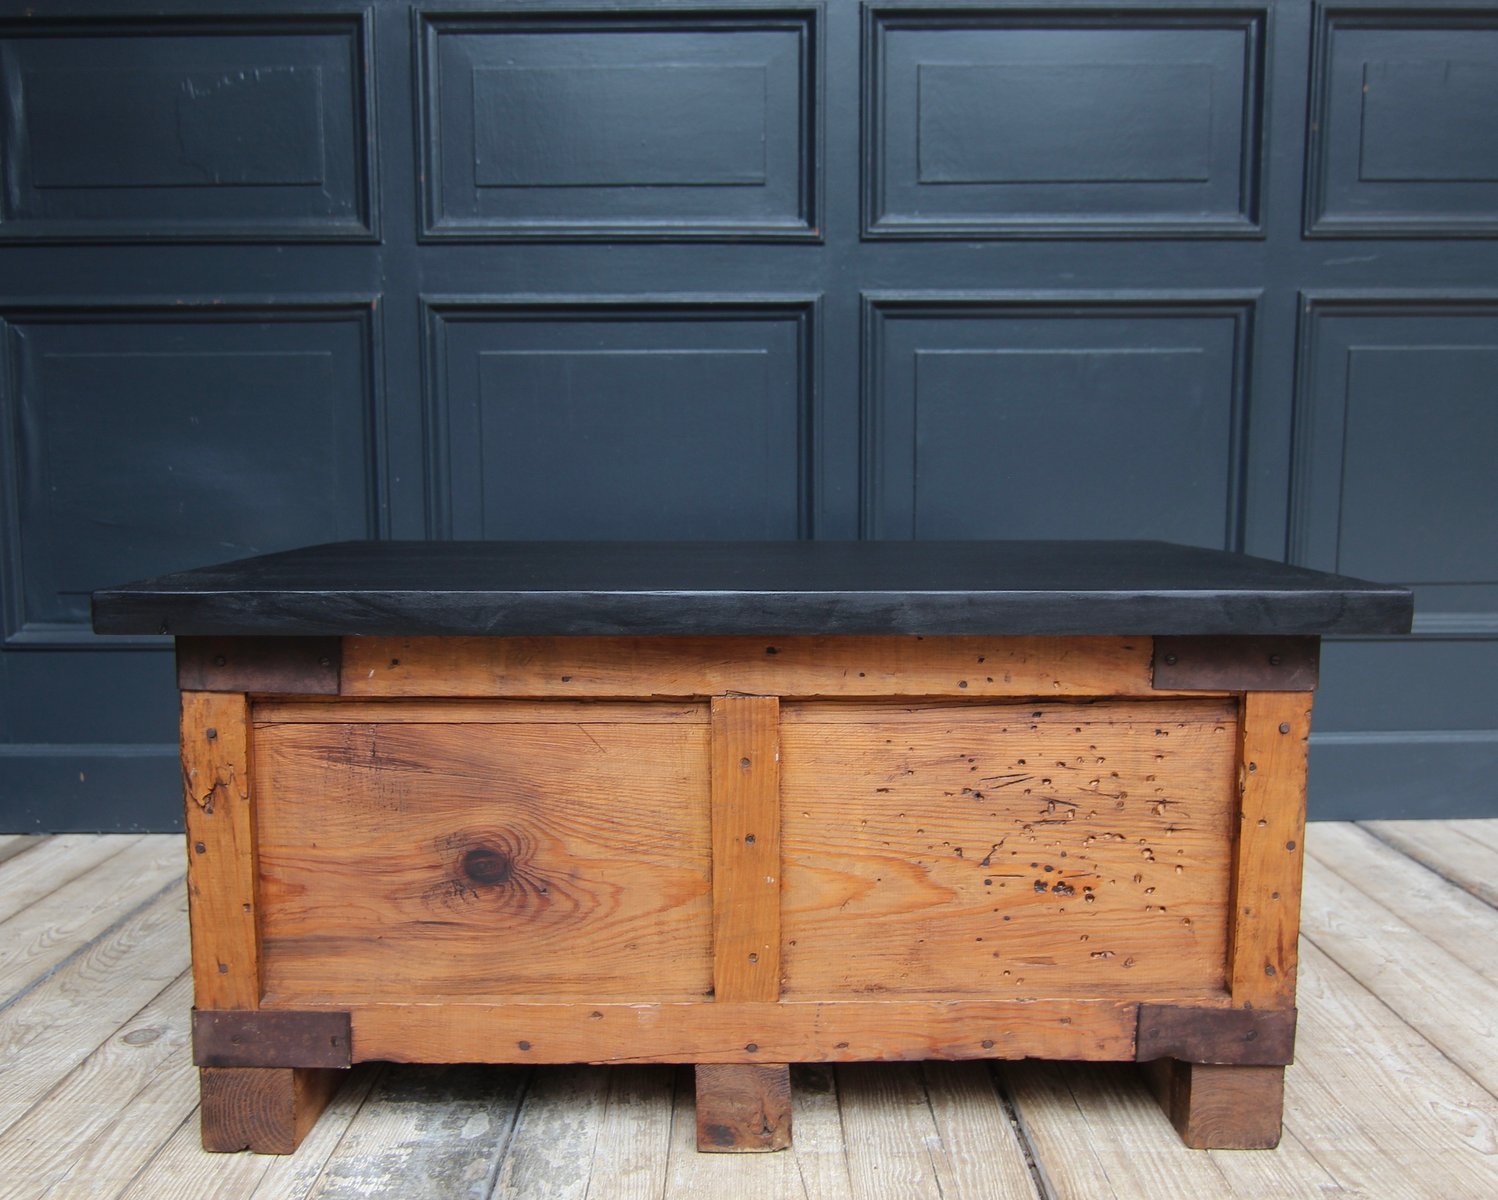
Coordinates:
[1403,139]
[1398,422]
[215,129]
[152,441]
[630,123]
[993,123]
[1014,419]
[673,421]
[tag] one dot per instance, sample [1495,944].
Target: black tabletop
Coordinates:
[754,588]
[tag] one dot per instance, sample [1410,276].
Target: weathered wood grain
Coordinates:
[39,939]
[980,1151]
[1215,1107]
[813,1167]
[1098,1134]
[939,1131]
[1269,848]
[1441,1136]
[333,711]
[1036,849]
[746,847]
[12,844]
[265,1109]
[550,1152]
[415,862]
[633,1148]
[1482,831]
[1368,938]
[53,862]
[181,1170]
[743,1107]
[63,1143]
[425,1132]
[839,1031]
[1441,846]
[792,667]
[1443,913]
[57,1023]
[221,875]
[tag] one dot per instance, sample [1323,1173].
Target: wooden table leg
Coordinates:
[1220,1107]
[743,1107]
[265,1109]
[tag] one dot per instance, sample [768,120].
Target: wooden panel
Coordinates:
[415,862]
[477,712]
[1270,848]
[221,882]
[1260,1037]
[746,847]
[1075,849]
[1220,1108]
[265,1109]
[627,668]
[725,1032]
[743,1107]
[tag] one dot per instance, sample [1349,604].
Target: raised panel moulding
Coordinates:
[987,122]
[173,128]
[1402,140]
[640,123]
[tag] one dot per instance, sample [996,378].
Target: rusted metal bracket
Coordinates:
[286,666]
[1236,664]
[265,1038]
[1248,1037]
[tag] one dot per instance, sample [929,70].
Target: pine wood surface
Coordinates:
[799,667]
[449,842]
[98,1093]
[1091,839]
[1267,873]
[222,882]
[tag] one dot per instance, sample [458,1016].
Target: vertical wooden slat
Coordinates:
[1270,849]
[220,850]
[746,847]
[746,1106]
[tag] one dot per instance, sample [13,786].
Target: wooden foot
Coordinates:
[1218,1107]
[265,1109]
[743,1108]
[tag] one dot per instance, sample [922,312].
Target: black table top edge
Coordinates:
[755,589]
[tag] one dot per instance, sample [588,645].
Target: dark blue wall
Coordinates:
[275,274]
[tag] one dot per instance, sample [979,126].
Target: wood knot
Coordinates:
[487,865]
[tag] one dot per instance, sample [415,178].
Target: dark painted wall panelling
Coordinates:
[752,268]
[1008,418]
[1397,429]
[585,125]
[1404,138]
[237,128]
[619,420]
[152,440]
[991,123]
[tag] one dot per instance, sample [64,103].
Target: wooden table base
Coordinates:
[743,853]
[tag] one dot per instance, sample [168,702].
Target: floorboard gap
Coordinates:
[1038,1178]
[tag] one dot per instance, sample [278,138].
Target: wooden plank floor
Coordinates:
[1394,1093]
